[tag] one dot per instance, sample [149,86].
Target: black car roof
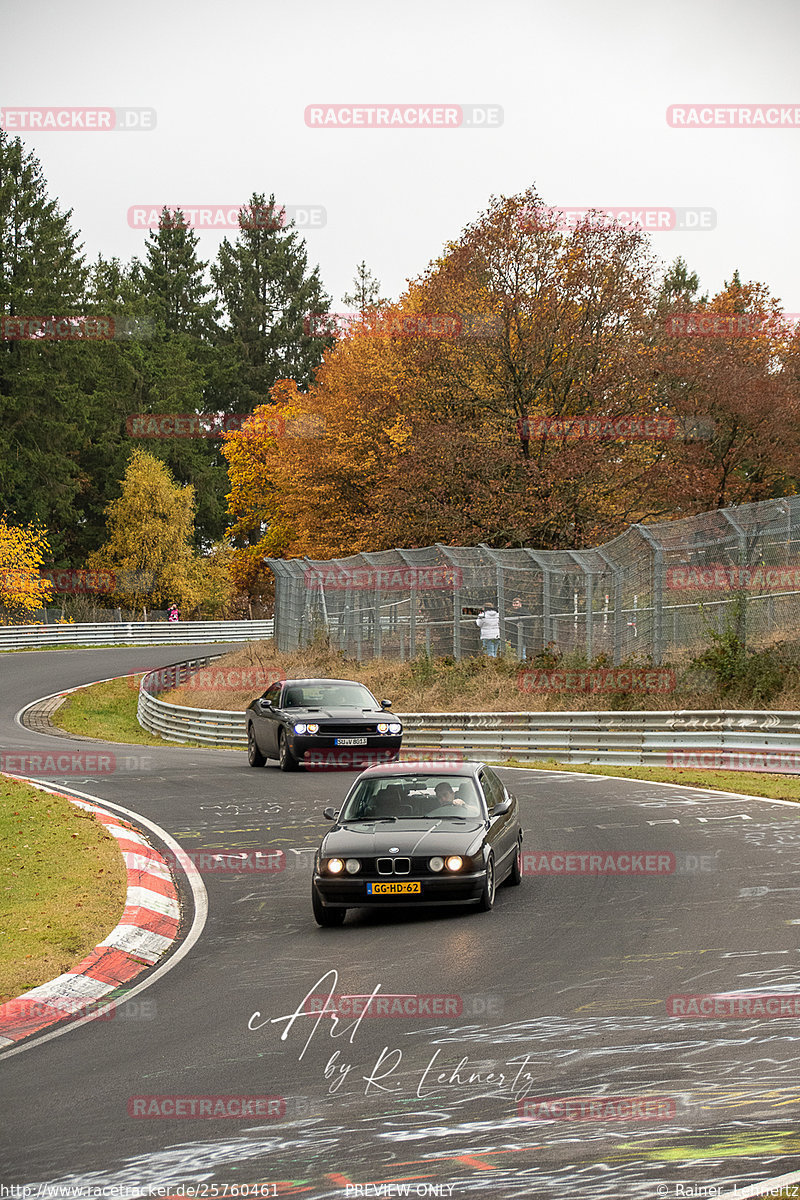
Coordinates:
[289,682]
[426,768]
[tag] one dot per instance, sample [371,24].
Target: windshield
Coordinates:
[413,797]
[328,695]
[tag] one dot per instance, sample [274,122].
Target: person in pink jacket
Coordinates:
[488,621]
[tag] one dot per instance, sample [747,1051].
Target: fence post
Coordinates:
[741,613]
[658,592]
[457,620]
[456,596]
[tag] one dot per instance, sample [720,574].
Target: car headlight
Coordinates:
[395,727]
[454,863]
[335,866]
[352,866]
[383,727]
[300,727]
[312,728]
[436,864]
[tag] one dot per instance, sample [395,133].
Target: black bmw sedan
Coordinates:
[322,722]
[418,836]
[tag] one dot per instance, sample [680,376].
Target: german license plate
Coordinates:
[394,889]
[350,742]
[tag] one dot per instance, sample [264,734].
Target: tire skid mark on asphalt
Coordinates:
[300,1142]
[480,1159]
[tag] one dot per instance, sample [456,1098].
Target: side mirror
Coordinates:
[503,807]
[386,704]
[331,813]
[262,703]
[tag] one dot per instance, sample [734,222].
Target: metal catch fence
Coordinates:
[649,593]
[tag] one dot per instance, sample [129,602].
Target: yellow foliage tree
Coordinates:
[150,530]
[22,590]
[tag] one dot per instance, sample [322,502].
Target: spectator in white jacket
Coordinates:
[488,621]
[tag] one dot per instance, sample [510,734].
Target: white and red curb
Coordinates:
[147,929]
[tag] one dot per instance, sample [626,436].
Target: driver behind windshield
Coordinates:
[446,796]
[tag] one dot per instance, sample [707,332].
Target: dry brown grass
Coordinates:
[476,684]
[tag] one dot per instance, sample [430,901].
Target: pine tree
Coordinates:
[42,397]
[366,290]
[178,361]
[269,298]
[678,285]
[174,278]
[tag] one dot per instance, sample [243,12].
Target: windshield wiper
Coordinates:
[353,820]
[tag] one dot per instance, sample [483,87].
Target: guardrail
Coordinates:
[733,740]
[137,633]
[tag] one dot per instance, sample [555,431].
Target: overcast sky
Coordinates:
[584,89]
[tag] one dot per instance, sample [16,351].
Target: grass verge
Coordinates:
[106,711]
[62,886]
[751,783]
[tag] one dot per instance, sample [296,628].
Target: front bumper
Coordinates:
[321,749]
[436,889]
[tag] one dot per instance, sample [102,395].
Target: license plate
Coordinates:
[394,889]
[350,742]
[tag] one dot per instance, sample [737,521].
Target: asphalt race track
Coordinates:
[561,992]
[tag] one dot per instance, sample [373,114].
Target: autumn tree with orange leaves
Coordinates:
[433,419]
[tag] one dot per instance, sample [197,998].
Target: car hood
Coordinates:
[366,839]
[337,714]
